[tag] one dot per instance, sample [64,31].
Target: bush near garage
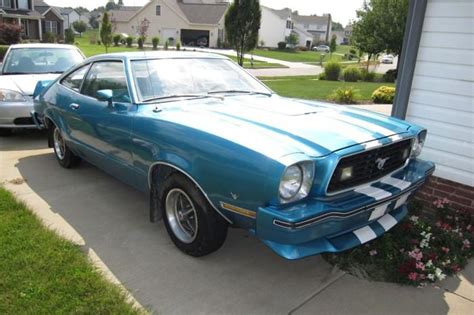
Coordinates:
[155,41]
[345,95]
[9,34]
[384,95]
[332,70]
[418,251]
[129,41]
[281,45]
[352,74]
[117,39]
[49,37]
[140,42]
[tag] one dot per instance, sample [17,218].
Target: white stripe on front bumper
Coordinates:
[401,201]
[395,182]
[373,192]
[387,222]
[378,212]
[365,234]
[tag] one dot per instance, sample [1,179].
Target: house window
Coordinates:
[51,27]
[158,10]
[23,4]
[289,25]
[6,3]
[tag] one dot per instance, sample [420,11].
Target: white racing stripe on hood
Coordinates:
[373,192]
[365,124]
[346,130]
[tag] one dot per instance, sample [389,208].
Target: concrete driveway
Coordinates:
[243,277]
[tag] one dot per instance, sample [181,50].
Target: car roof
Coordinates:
[156,55]
[39,45]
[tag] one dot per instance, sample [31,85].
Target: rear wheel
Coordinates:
[193,225]
[63,154]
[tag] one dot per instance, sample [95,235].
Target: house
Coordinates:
[51,19]
[22,12]
[69,16]
[436,90]
[277,25]
[192,22]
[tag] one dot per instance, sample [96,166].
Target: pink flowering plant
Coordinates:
[418,251]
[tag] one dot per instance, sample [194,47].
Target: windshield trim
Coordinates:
[142,101]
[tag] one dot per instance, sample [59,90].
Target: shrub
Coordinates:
[129,41]
[117,38]
[322,76]
[9,34]
[281,45]
[384,95]
[345,95]
[99,42]
[69,36]
[140,41]
[3,51]
[390,76]
[368,76]
[166,45]
[178,46]
[353,51]
[49,37]
[155,41]
[332,70]
[352,74]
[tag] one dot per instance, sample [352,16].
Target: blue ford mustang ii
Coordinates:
[214,147]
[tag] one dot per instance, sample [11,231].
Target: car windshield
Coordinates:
[191,77]
[40,60]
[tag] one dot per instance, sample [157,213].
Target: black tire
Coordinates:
[65,157]
[5,132]
[211,227]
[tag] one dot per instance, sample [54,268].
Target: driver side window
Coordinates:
[74,80]
[108,75]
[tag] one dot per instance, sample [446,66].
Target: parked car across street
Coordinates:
[23,66]
[214,147]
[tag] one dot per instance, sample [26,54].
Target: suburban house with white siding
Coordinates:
[277,25]
[435,89]
[192,22]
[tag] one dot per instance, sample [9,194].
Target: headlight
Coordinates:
[11,96]
[296,181]
[418,144]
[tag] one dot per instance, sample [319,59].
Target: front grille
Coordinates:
[366,165]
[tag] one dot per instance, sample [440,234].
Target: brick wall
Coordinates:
[459,195]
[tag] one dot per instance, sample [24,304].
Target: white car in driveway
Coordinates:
[387,59]
[23,66]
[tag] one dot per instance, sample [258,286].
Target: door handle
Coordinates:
[74,106]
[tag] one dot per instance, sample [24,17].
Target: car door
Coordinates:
[105,127]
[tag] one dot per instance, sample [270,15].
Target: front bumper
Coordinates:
[343,221]
[16,115]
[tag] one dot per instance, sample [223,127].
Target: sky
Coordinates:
[342,10]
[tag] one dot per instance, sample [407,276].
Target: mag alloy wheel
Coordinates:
[181,215]
[59,144]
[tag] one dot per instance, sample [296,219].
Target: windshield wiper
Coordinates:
[177,96]
[239,91]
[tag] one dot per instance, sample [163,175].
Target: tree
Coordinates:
[242,22]
[337,26]
[106,32]
[380,26]
[293,39]
[120,3]
[9,34]
[81,10]
[333,44]
[143,29]
[111,6]
[79,26]
[364,33]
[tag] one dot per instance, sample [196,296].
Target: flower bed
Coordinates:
[417,251]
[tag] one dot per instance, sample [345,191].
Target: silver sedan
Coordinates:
[24,66]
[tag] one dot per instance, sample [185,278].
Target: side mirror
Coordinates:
[40,86]
[105,95]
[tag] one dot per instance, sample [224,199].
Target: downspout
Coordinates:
[407,59]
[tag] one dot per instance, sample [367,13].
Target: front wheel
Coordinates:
[193,225]
[63,154]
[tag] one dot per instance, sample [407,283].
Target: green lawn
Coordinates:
[41,273]
[309,87]
[302,56]
[93,49]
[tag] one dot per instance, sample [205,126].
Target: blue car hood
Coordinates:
[279,126]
